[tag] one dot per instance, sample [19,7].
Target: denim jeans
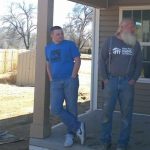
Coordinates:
[119,89]
[67,90]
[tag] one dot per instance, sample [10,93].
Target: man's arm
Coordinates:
[48,71]
[138,66]
[76,67]
[102,62]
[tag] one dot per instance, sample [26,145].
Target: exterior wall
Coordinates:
[141,101]
[142,97]
[109,19]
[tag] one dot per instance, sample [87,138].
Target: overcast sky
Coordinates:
[61,9]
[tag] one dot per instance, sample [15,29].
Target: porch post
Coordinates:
[40,127]
[95,54]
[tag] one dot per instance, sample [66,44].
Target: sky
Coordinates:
[61,9]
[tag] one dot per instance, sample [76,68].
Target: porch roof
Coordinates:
[111,3]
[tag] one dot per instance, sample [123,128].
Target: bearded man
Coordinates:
[120,68]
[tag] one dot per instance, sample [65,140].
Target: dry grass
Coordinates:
[8,78]
[17,100]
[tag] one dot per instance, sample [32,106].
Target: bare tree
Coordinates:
[10,41]
[20,21]
[77,27]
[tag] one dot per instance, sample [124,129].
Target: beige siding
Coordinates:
[141,101]
[109,19]
[26,69]
[108,23]
[142,98]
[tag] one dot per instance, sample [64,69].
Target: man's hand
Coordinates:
[48,71]
[73,76]
[105,81]
[76,67]
[131,82]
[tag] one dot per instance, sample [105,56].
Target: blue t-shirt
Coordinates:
[61,58]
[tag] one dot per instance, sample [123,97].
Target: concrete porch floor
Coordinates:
[140,137]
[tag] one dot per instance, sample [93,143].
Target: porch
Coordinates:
[43,136]
[139,136]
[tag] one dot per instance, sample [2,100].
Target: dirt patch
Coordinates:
[15,100]
[8,78]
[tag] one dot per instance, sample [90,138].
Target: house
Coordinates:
[107,14]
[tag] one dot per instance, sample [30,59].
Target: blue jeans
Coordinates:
[67,90]
[117,88]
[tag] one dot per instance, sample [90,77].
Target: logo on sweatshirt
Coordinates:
[122,51]
[127,51]
[116,51]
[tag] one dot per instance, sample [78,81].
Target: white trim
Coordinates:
[121,9]
[146,7]
[143,80]
[136,114]
[135,7]
[132,8]
[95,51]
[31,147]
[145,43]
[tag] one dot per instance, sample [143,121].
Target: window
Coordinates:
[141,17]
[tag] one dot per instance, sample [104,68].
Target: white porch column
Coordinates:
[95,54]
[41,125]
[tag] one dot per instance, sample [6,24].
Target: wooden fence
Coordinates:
[26,68]
[22,62]
[8,60]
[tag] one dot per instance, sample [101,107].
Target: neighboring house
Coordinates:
[107,15]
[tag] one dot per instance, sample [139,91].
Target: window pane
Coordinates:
[146,62]
[146,14]
[127,14]
[146,53]
[142,21]
[138,22]
[146,25]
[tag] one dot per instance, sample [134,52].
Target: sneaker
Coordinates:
[68,140]
[105,146]
[81,133]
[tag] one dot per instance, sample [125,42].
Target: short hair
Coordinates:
[55,28]
[127,20]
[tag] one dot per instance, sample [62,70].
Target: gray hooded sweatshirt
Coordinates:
[119,59]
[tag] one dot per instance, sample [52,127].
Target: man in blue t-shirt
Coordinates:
[63,63]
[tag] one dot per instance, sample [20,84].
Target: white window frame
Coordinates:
[147,7]
[121,9]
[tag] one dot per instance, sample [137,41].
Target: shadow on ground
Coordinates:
[20,128]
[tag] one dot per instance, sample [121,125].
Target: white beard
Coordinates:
[128,38]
